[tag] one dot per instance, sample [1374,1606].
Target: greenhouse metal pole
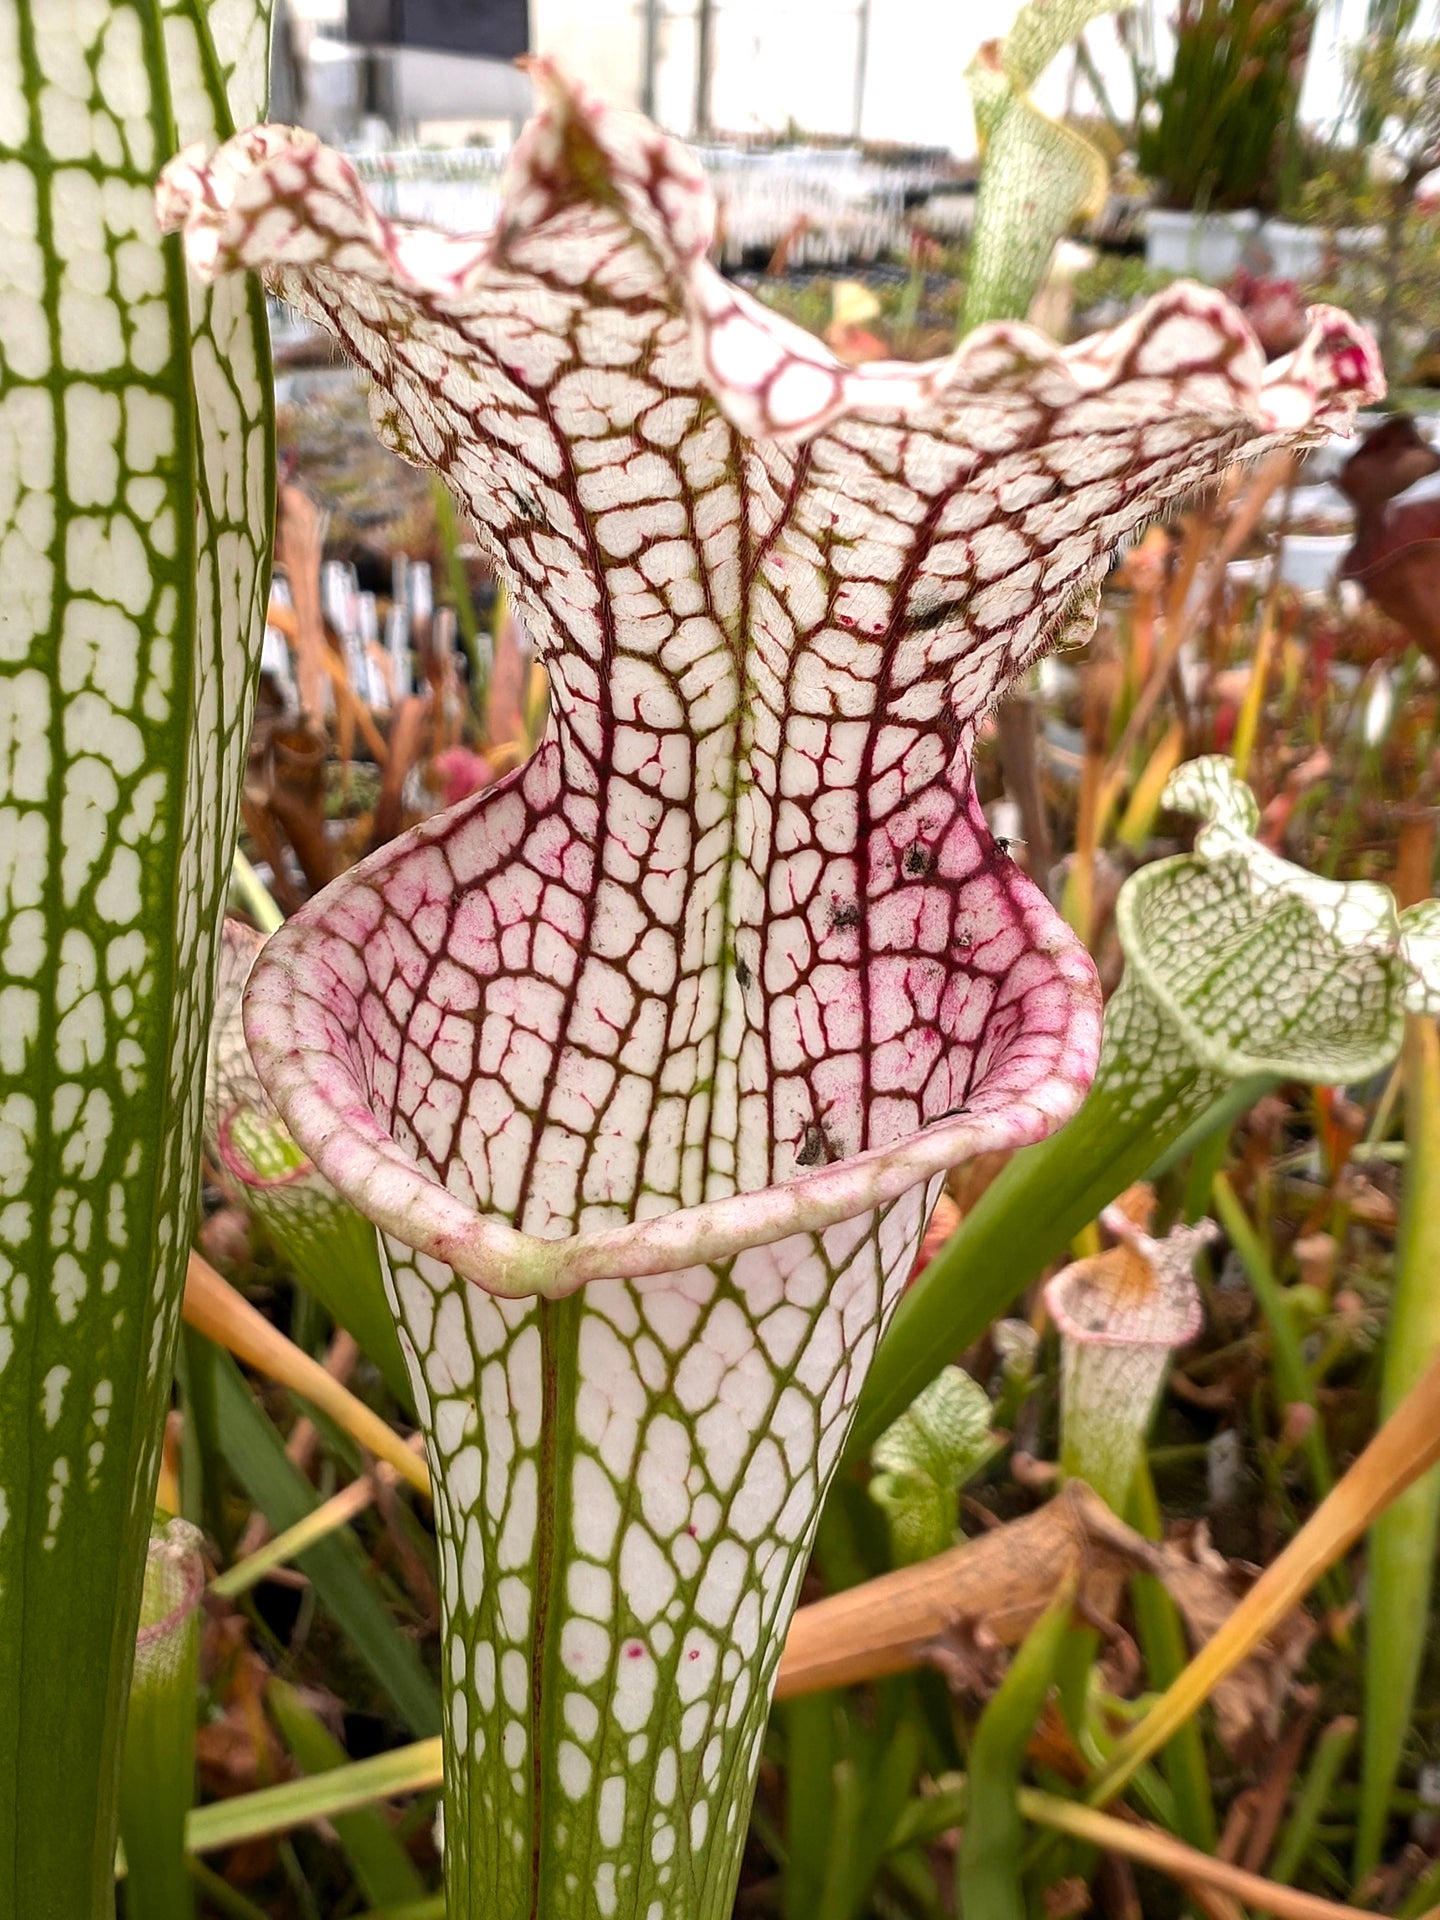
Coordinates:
[862,61]
[650,12]
[704,53]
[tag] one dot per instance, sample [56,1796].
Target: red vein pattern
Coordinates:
[692,1011]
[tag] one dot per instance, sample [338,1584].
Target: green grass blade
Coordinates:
[840,1862]
[221,1895]
[281,1548]
[1293,1384]
[1420,1903]
[888,1791]
[810,1802]
[1161,1633]
[413,1769]
[383,1869]
[253,895]
[336,1565]
[1332,1750]
[432,1908]
[202,1474]
[136,458]
[1401,1564]
[447,526]
[993,1840]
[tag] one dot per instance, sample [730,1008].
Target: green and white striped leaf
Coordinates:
[135,501]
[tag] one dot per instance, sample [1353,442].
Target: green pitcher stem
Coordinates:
[333,1253]
[627,1484]
[1103,1437]
[157,1775]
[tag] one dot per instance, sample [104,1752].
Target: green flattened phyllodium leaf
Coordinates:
[921,1462]
[136,462]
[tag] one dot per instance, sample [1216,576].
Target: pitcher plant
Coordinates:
[648,1061]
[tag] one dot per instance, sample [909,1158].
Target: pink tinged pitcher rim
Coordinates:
[329,1113]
